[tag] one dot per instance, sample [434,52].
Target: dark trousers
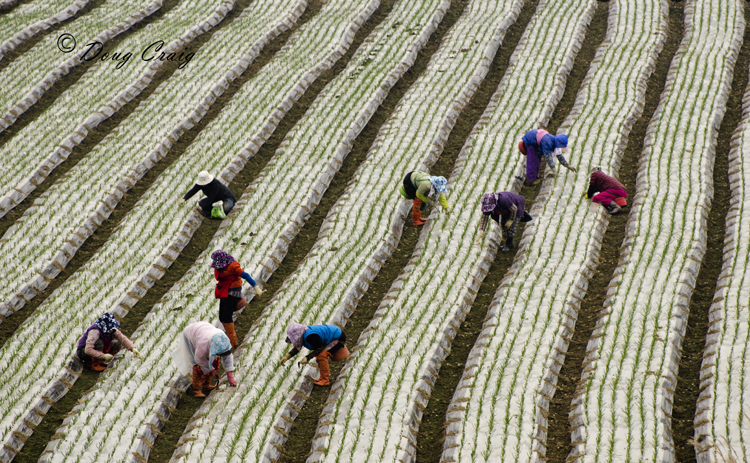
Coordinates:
[411,192]
[227,306]
[206,206]
[114,348]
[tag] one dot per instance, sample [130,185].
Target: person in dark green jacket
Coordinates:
[423,189]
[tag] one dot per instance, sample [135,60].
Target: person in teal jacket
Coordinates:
[423,189]
[323,340]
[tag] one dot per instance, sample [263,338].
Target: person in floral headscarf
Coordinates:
[323,340]
[200,348]
[101,341]
[423,189]
[507,209]
[229,275]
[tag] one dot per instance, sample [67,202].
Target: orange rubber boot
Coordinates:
[229,328]
[197,381]
[416,213]
[322,360]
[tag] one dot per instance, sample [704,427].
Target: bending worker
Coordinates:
[199,349]
[606,191]
[507,209]
[538,144]
[323,340]
[423,189]
[101,341]
[219,200]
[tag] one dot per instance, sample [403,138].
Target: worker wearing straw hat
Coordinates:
[507,209]
[538,144]
[219,200]
[323,340]
[607,191]
[423,189]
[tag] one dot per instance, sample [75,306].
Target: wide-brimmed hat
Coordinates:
[204,178]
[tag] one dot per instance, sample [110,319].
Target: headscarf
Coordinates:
[295,333]
[489,201]
[220,345]
[595,169]
[561,141]
[107,323]
[220,259]
[438,186]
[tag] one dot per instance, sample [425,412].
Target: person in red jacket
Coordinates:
[229,275]
[606,191]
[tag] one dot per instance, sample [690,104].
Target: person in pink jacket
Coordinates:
[101,341]
[201,347]
[606,191]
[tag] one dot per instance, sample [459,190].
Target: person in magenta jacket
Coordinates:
[323,340]
[606,191]
[101,341]
[538,144]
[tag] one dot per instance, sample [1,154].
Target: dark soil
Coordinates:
[688,380]
[559,430]
[31,42]
[45,431]
[9,6]
[432,429]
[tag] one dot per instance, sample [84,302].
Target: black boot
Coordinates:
[510,234]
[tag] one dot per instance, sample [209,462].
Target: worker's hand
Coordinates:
[552,172]
[479,238]
[572,169]
[230,379]
[107,357]
[182,202]
[212,373]
[508,224]
[447,211]
[303,361]
[258,291]
[586,195]
[136,353]
[284,360]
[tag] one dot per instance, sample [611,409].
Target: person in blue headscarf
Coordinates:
[537,144]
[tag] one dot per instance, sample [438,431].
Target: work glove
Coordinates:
[107,358]
[508,224]
[136,353]
[571,168]
[552,172]
[303,361]
[258,291]
[182,202]
[283,360]
[230,379]
[479,238]
[447,211]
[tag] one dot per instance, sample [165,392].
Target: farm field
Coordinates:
[596,337]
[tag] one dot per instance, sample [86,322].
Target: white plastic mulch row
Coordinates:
[721,420]
[140,386]
[623,410]
[29,19]
[57,224]
[499,410]
[30,75]
[61,302]
[357,237]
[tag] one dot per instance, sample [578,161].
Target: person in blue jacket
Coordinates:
[323,341]
[538,144]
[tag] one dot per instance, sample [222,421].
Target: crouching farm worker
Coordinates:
[606,191]
[423,189]
[229,275]
[199,349]
[101,341]
[507,209]
[538,144]
[323,340]
[219,200]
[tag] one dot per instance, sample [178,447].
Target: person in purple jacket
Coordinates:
[538,144]
[507,209]
[606,191]
[323,340]
[101,341]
